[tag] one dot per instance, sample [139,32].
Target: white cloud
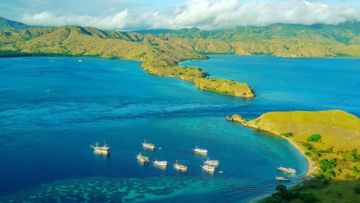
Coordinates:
[210,14]
[116,21]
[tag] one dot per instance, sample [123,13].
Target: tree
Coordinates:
[357,189]
[314,138]
[280,188]
[308,197]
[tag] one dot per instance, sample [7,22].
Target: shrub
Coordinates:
[308,146]
[350,157]
[330,174]
[314,138]
[354,151]
[356,170]
[288,134]
[326,164]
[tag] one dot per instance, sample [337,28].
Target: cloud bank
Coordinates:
[209,14]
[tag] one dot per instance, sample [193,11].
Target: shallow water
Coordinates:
[52,109]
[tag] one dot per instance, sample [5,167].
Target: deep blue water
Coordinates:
[52,109]
[292,84]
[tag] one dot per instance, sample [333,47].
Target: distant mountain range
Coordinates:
[6,24]
[161,50]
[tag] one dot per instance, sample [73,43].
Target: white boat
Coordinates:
[148,146]
[200,151]
[213,163]
[287,170]
[103,150]
[279,178]
[208,169]
[160,164]
[179,167]
[142,159]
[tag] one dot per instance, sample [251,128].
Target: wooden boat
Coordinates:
[103,150]
[213,163]
[142,159]
[148,146]
[208,169]
[160,164]
[279,178]
[200,151]
[179,167]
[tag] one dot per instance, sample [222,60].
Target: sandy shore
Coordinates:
[311,164]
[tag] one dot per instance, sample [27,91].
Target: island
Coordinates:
[227,87]
[330,140]
[160,53]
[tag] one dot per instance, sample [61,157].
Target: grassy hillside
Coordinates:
[161,51]
[222,86]
[331,139]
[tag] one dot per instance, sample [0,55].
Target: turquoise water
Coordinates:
[52,109]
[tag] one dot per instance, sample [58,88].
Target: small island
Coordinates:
[330,140]
[227,87]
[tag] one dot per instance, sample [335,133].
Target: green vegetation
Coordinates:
[160,52]
[335,158]
[357,189]
[285,195]
[314,137]
[288,134]
[331,140]
[317,189]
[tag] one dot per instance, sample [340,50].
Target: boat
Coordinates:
[142,159]
[287,170]
[200,151]
[179,167]
[208,169]
[160,164]
[279,178]
[213,163]
[103,150]
[148,146]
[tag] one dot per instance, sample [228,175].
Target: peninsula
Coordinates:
[329,139]
[160,53]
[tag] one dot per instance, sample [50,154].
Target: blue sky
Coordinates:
[207,14]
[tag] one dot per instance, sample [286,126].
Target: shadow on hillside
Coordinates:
[318,189]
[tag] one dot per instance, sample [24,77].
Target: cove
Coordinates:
[52,109]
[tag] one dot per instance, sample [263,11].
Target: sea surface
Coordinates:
[53,108]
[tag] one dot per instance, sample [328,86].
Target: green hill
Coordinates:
[330,140]
[161,51]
